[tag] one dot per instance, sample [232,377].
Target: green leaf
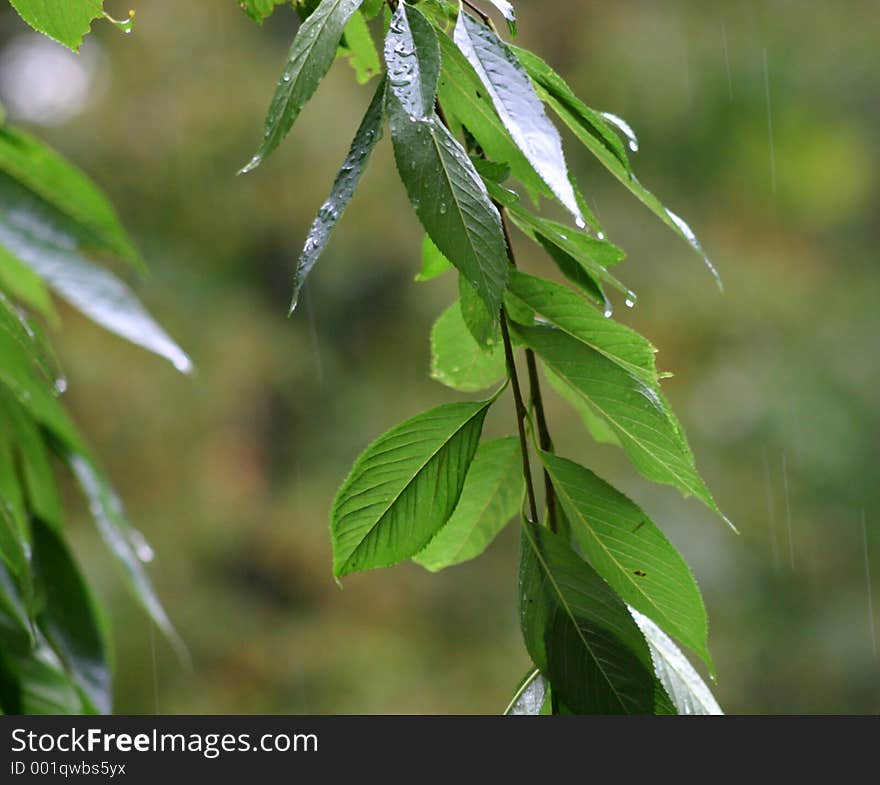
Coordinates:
[16,630]
[628,550]
[579,633]
[463,95]
[568,311]
[530,696]
[574,272]
[360,49]
[37,683]
[365,139]
[310,57]
[593,255]
[125,543]
[649,433]
[591,128]
[33,454]
[68,190]
[482,325]
[14,542]
[457,360]
[43,239]
[259,10]
[519,108]
[451,201]
[491,496]
[65,21]
[508,12]
[597,427]
[434,263]
[69,619]
[413,59]
[404,487]
[687,691]
[25,286]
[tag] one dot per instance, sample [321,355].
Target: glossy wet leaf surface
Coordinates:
[67,22]
[684,686]
[344,186]
[404,487]
[517,105]
[649,433]
[44,240]
[310,57]
[412,55]
[457,360]
[451,201]
[490,498]
[579,633]
[628,550]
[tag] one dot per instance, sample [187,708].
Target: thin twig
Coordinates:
[544,440]
[478,11]
[520,415]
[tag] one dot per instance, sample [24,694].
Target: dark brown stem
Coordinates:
[544,440]
[479,12]
[521,415]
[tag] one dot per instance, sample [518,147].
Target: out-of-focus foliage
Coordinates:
[232,474]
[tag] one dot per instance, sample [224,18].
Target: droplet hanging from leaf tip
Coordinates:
[126,25]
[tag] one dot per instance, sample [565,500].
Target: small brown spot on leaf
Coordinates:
[640,573]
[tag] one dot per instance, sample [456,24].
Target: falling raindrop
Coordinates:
[769,121]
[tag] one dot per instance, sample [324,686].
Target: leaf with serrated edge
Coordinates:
[451,202]
[591,129]
[568,311]
[579,633]
[412,55]
[368,134]
[489,500]
[360,49]
[648,431]
[434,263]
[463,96]
[628,550]
[518,106]
[404,487]
[688,692]
[311,55]
[457,360]
[66,22]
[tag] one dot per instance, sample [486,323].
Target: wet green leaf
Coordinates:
[457,360]
[681,683]
[413,59]
[508,12]
[489,500]
[65,21]
[591,128]
[648,431]
[451,201]
[628,550]
[259,10]
[463,95]
[568,311]
[310,57]
[519,108]
[579,633]
[434,263]
[404,487]
[45,173]
[46,241]
[530,696]
[368,134]
[125,543]
[360,49]
[69,619]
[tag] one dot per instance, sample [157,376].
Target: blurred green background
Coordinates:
[758,122]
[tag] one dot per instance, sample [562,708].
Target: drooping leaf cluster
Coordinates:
[56,229]
[602,591]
